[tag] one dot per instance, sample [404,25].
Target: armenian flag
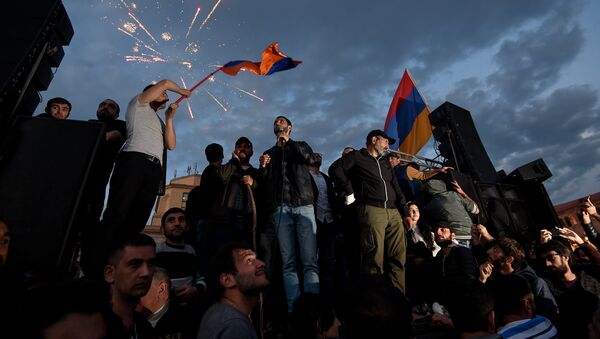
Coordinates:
[272,61]
[408,118]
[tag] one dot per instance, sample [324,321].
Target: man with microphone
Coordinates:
[289,200]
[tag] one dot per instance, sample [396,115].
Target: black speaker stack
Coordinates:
[33,33]
[516,205]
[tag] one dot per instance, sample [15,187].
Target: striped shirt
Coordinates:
[537,327]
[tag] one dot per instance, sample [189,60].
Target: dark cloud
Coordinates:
[520,117]
[353,54]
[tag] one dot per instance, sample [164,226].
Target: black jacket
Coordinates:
[372,180]
[214,199]
[286,177]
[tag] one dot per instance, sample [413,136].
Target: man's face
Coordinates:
[381,145]
[316,160]
[175,226]
[4,242]
[497,257]
[107,110]
[244,151]
[132,275]
[394,161]
[58,111]
[281,124]
[251,276]
[161,101]
[413,213]
[444,236]
[556,263]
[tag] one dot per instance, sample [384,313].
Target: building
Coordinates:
[176,193]
[569,213]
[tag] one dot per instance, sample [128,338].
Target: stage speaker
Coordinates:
[535,170]
[33,32]
[43,170]
[506,213]
[460,143]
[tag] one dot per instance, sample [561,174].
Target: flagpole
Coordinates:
[199,83]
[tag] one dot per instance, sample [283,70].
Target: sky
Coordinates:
[526,70]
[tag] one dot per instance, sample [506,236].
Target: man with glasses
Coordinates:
[506,256]
[576,292]
[367,177]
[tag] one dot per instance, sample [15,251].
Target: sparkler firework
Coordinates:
[159,38]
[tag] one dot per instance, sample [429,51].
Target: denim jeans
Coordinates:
[297,224]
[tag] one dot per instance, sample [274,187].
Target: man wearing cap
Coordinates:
[369,181]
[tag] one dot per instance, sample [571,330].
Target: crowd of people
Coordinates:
[377,247]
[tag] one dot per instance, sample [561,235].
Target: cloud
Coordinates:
[353,54]
[520,113]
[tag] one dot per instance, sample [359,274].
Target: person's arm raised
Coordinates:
[156,91]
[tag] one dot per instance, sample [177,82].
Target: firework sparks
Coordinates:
[248,93]
[216,100]
[130,27]
[166,36]
[188,99]
[209,14]
[140,25]
[252,94]
[125,4]
[192,24]
[141,59]
[138,40]
[192,48]
[186,64]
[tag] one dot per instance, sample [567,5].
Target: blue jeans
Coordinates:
[297,224]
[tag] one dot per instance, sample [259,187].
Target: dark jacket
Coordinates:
[453,274]
[577,303]
[221,193]
[372,180]
[544,300]
[286,178]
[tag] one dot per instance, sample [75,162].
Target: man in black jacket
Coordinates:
[289,197]
[367,178]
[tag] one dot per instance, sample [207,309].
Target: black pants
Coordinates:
[133,189]
[326,241]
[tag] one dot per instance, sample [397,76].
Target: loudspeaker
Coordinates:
[535,170]
[459,139]
[43,170]
[506,210]
[34,31]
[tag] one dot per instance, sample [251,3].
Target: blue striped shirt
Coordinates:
[537,327]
